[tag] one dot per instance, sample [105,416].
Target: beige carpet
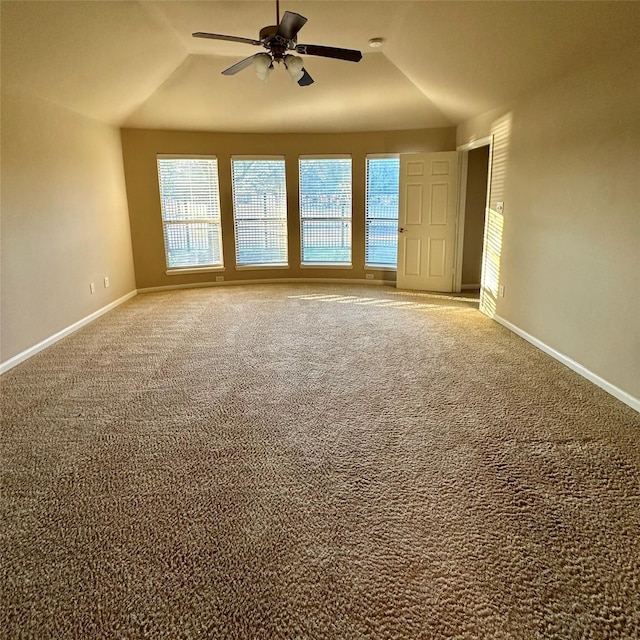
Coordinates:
[313,462]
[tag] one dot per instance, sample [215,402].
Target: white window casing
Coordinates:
[260,211]
[381,211]
[325,210]
[190,207]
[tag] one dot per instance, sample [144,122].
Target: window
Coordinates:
[381,228]
[325,210]
[190,205]
[260,211]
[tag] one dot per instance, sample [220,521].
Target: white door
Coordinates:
[427,220]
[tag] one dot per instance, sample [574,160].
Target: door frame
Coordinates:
[462,202]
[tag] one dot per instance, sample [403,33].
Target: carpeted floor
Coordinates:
[313,462]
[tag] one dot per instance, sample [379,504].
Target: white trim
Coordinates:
[381,267]
[186,156]
[466,287]
[616,392]
[325,156]
[474,144]
[326,265]
[179,271]
[378,156]
[261,267]
[375,156]
[462,203]
[31,351]
[190,221]
[199,285]
[253,157]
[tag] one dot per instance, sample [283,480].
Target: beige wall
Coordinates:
[64,221]
[567,166]
[475,203]
[141,146]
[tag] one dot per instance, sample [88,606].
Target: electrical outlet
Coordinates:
[369,276]
[501,291]
[92,287]
[219,278]
[500,207]
[106,282]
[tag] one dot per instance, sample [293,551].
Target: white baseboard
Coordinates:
[623,396]
[199,285]
[31,351]
[470,286]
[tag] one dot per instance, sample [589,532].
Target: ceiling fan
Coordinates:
[278,40]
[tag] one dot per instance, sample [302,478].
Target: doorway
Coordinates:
[474,215]
[441,220]
[474,199]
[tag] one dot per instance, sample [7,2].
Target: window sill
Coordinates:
[178,271]
[250,267]
[381,267]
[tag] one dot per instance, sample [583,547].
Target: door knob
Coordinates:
[401,229]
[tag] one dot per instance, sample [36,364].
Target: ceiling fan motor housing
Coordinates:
[275,43]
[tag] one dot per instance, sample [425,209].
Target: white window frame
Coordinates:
[367,218]
[284,219]
[177,270]
[326,263]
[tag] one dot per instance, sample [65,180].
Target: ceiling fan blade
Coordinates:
[290,24]
[329,52]
[306,79]
[239,66]
[217,36]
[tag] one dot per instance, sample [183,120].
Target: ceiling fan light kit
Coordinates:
[278,40]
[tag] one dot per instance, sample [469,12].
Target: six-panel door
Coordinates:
[427,220]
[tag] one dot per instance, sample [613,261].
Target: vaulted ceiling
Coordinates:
[136,64]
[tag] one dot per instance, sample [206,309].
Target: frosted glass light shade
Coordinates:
[294,66]
[263,66]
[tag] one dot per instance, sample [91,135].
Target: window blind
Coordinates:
[325,210]
[381,226]
[190,203]
[260,211]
